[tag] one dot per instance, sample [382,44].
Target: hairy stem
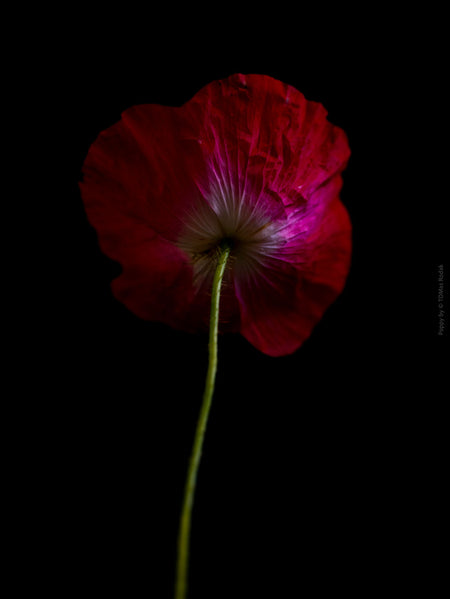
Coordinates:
[186,512]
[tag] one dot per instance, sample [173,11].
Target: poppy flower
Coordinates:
[249,162]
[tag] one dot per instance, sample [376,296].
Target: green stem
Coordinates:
[185,520]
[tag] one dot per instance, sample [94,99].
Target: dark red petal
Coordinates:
[140,169]
[261,136]
[279,314]
[151,273]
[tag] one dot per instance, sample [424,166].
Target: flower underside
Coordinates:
[252,236]
[248,164]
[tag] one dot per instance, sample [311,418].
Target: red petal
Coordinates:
[151,273]
[261,135]
[278,315]
[139,169]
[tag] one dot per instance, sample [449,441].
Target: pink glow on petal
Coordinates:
[279,313]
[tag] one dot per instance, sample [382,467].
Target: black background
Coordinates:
[321,470]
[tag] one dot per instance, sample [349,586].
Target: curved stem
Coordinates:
[185,520]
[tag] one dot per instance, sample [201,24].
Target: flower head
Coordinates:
[247,162]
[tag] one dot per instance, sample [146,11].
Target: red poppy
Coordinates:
[248,160]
